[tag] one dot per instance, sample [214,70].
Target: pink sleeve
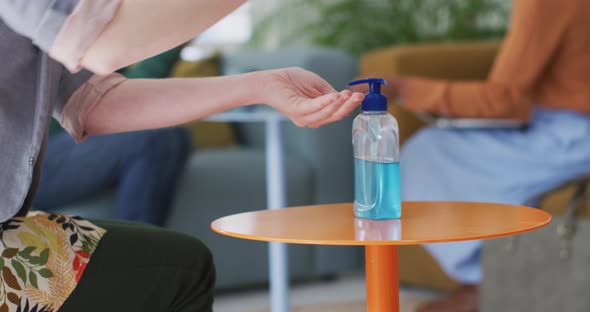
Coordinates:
[81,29]
[83,100]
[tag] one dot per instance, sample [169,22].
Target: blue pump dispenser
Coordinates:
[375,138]
[374,100]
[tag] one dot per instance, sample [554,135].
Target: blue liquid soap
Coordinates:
[377,190]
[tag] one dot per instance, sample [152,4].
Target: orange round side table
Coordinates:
[421,222]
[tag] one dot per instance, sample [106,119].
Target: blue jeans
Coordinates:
[494,165]
[143,167]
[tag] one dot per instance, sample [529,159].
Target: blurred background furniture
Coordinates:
[230,179]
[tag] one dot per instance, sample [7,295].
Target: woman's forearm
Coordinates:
[138,104]
[143,28]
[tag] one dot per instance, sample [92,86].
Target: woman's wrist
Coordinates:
[253,87]
[264,86]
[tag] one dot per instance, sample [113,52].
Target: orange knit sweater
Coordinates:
[544,60]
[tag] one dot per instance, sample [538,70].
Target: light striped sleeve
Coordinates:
[78,94]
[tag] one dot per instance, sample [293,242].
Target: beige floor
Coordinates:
[346,294]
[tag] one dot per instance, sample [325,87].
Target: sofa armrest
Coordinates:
[454,61]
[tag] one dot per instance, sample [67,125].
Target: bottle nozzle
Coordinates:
[374,100]
[374,84]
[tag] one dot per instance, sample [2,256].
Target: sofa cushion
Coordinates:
[225,181]
[205,134]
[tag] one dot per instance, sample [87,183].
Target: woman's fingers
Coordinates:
[323,87]
[310,83]
[307,107]
[342,111]
[327,111]
[311,107]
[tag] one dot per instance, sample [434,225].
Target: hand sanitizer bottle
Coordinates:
[375,139]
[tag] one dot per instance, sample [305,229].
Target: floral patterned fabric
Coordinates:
[43,256]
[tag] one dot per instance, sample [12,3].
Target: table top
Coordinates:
[421,222]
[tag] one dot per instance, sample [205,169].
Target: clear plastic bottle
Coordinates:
[375,139]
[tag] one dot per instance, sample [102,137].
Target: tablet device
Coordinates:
[470,123]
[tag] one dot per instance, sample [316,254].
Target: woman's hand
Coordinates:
[306,98]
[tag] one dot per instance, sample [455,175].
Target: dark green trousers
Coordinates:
[143,268]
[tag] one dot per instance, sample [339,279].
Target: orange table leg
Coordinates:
[382,278]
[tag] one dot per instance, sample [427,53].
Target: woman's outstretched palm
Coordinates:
[307,99]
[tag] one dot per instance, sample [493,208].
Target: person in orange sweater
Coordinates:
[541,78]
